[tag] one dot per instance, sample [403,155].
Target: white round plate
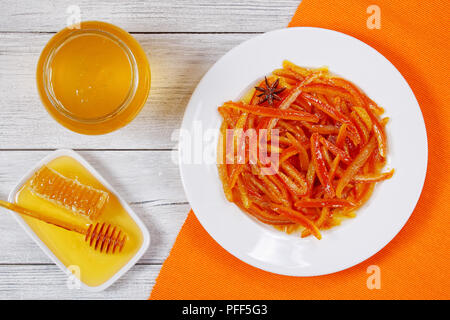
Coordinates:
[355,239]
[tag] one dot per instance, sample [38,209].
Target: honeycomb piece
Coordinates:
[67,193]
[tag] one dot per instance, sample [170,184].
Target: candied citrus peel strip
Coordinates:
[298,217]
[318,203]
[272,113]
[374,177]
[354,167]
[319,164]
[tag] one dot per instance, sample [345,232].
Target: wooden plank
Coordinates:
[151,16]
[48,282]
[148,180]
[178,62]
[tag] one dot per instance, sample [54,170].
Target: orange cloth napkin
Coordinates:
[414,36]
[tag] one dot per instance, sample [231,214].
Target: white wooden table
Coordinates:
[182,38]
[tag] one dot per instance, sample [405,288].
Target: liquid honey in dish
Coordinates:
[93,79]
[70,247]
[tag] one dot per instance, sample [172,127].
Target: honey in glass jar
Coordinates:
[93,79]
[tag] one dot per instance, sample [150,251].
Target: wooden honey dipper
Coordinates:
[100,236]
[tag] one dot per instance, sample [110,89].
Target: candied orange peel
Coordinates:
[330,150]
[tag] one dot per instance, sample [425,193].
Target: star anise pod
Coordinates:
[270,93]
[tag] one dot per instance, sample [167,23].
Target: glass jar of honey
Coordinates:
[93,79]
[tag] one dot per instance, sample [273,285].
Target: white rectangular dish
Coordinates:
[145,234]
